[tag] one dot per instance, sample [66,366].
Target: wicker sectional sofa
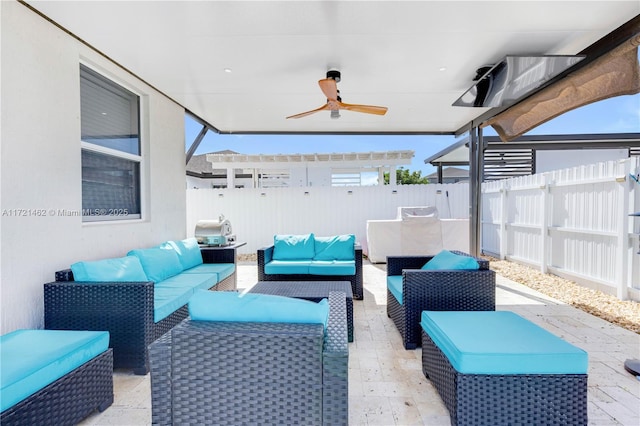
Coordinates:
[135,313]
[231,372]
[311,258]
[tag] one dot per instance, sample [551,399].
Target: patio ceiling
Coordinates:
[415,57]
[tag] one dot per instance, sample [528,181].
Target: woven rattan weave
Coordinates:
[69,399]
[232,373]
[436,290]
[125,310]
[484,399]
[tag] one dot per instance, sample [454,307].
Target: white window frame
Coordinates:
[115,215]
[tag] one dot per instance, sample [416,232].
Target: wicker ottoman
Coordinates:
[495,368]
[54,377]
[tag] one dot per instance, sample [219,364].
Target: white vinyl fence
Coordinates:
[574,223]
[257,214]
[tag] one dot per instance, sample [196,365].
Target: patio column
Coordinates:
[231,178]
[476,159]
[380,175]
[392,176]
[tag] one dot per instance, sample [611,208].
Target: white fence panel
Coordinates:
[572,222]
[257,214]
[492,222]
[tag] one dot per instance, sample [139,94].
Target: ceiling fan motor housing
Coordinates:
[334,74]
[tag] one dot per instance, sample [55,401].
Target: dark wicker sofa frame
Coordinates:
[505,399]
[436,290]
[266,254]
[205,372]
[124,309]
[69,399]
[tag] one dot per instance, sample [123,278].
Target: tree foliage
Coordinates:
[407,177]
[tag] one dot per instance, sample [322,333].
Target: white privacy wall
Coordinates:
[41,170]
[571,222]
[257,214]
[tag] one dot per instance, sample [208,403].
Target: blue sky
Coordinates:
[616,115]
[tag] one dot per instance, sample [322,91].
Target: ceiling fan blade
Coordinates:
[368,109]
[304,114]
[329,88]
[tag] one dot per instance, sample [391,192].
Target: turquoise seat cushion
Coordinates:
[159,264]
[332,267]
[188,252]
[337,247]
[194,281]
[394,284]
[287,267]
[250,307]
[122,269]
[171,294]
[288,247]
[223,270]
[501,342]
[33,359]
[447,260]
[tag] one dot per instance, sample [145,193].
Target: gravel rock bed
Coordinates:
[625,314]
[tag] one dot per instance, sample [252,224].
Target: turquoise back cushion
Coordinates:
[122,269]
[288,247]
[158,264]
[187,250]
[447,260]
[337,247]
[236,307]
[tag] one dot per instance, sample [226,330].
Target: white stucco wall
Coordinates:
[41,170]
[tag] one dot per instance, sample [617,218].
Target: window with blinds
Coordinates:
[111,154]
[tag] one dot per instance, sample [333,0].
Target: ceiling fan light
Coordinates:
[335,114]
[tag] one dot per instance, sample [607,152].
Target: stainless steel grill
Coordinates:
[214,232]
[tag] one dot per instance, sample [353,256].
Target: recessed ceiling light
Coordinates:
[227,70]
[442,68]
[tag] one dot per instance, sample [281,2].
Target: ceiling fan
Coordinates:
[334,101]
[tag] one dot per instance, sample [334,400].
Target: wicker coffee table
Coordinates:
[309,290]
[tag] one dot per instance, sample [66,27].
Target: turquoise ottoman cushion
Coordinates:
[33,359]
[501,342]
